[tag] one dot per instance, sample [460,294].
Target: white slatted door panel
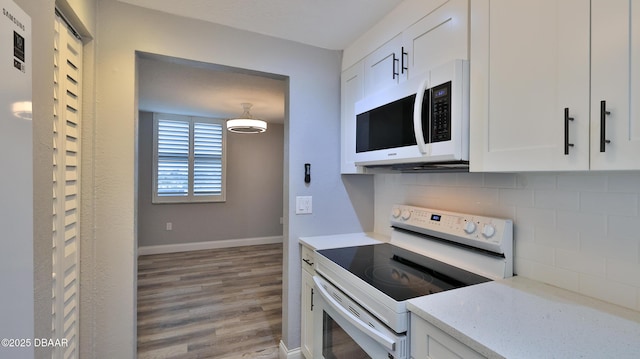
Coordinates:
[55,177]
[66,189]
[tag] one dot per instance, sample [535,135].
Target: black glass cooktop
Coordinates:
[399,273]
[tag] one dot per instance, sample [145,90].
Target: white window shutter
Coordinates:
[207,176]
[173,158]
[189,159]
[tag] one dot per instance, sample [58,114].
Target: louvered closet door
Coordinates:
[66,190]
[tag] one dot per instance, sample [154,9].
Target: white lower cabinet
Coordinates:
[306,303]
[429,342]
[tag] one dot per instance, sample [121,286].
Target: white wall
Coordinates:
[16,188]
[81,13]
[577,231]
[311,135]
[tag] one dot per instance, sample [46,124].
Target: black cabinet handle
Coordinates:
[312,299]
[395,61]
[404,66]
[603,125]
[566,131]
[308,261]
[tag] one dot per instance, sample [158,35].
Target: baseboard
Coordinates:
[289,354]
[196,246]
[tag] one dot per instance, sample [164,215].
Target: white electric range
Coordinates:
[363,290]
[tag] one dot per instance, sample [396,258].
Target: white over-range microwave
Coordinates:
[421,122]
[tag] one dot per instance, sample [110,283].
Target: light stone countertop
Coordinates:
[342,240]
[522,318]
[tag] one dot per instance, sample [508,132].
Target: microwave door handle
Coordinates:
[387,342]
[417,117]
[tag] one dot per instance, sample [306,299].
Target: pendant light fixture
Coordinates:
[246,123]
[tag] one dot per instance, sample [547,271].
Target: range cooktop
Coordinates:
[399,273]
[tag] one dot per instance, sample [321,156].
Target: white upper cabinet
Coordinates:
[383,68]
[352,91]
[529,62]
[437,38]
[415,37]
[540,70]
[615,85]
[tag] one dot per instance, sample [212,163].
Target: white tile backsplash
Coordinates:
[610,203]
[516,197]
[624,272]
[609,291]
[625,182]
[549,274]
[530,250]
[614,248]
[624,226]
[556,199]
[582,182]
[557,238]
[534,217]
[593,223]
[500,180]
[536,181]
[578,231]
[586,263]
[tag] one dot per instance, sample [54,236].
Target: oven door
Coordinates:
[348,331]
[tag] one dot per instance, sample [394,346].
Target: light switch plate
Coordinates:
[304,205]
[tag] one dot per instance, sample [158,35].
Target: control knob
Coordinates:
[395,213]
[406,214]
[488,230]
[469,227]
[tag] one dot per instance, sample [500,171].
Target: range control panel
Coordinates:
[492,234]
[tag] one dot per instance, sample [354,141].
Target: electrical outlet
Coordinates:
[169,226]
[304,205]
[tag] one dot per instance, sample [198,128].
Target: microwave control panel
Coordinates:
[440,113]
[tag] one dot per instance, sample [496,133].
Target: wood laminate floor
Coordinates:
[220,303]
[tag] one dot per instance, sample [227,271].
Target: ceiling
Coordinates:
[193,88]
[330,24]
[187,87]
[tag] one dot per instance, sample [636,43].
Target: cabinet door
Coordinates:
[352,91]
[382,67]
[530,61]
[437,38]
[429,342]
[306,324]
[615,79]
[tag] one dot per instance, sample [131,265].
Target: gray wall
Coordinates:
[254,193]
[312,126]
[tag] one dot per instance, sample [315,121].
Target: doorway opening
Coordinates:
[252,213]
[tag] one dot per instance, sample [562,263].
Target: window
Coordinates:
[189,159]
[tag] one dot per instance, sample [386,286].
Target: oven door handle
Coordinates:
[387,342]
